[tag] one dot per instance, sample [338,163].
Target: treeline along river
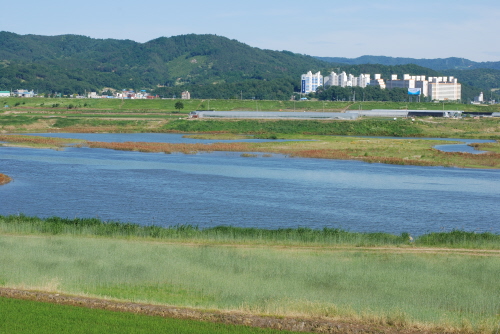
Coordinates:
[210,189]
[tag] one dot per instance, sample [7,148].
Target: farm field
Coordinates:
[28,316]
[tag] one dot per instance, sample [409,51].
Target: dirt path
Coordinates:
[313,325]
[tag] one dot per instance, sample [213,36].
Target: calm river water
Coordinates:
[210,189]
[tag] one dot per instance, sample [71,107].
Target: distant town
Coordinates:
[435,88]
[122,94]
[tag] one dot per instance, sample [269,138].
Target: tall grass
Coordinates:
[38,141]
[396,152]
[229,234]
[438,289]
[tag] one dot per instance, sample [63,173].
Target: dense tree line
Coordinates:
[279,89]
[370,93]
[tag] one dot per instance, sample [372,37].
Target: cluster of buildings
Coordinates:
[435,88]
[17,93]
[123,94]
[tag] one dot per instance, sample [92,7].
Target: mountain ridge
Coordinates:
[209,66]
[438,64]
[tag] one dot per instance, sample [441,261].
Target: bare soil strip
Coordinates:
[313,325]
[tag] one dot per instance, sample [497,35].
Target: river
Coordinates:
[210,189]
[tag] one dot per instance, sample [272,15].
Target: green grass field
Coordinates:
[22,316]
[168,105]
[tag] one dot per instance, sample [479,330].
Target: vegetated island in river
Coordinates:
[4,179]
[418,152]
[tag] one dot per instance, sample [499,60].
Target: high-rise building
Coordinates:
[436,88]
[444,88]
[378,81]
[310,82]
[346,80]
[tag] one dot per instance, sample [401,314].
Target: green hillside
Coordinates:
[209,66]
[75,64]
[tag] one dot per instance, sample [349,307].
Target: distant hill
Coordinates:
[71,63]
[209,66]
[435,64]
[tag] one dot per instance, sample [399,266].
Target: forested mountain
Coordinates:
[71,63]
[209,66]
[439,64]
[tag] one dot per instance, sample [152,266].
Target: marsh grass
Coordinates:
[389,151]
[391,287]
[493,147]
[373,150]
[37,141]
[4,179]
[21,224]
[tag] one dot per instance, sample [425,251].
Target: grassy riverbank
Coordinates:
[485,128]
[285,272]
[21,224]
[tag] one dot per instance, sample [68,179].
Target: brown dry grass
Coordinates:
[37,141]
[4,179]
[396,152]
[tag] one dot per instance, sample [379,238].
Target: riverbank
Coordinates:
[301,236]
[395,289]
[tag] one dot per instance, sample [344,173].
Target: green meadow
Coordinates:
[23,316]
[61,105]
[392,282]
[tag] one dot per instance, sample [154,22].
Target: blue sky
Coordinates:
[416,29]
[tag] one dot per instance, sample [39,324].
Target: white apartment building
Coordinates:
[364,80]
[444,88]
[346,80]
[408,81]
[310,82]
[436,88]
[477,99]
[378,81]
